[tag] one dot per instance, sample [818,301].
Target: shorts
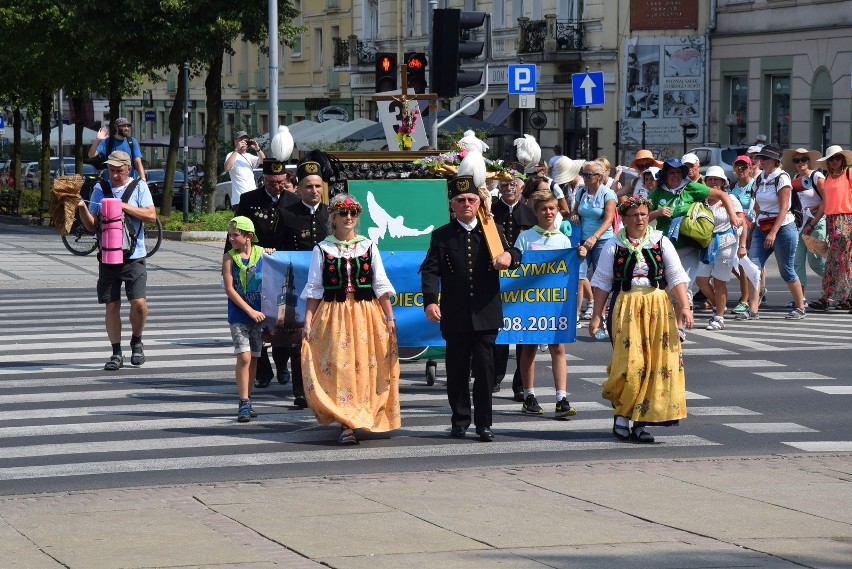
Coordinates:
[722,265]
[133,274]
[248,337]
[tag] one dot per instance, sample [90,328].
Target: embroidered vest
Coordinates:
[625,263]
[339,273]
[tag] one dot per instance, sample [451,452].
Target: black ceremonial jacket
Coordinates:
[459,265]
[521,218]
[299,229]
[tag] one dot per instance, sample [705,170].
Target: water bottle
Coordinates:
[600,334]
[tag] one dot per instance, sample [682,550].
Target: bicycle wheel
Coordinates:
[80,241]
[154,232]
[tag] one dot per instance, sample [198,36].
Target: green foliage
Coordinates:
[207,222]
[29,202]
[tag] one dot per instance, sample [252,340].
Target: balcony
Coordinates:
[353,52]
[550,37]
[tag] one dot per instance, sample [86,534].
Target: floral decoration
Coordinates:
[410,116]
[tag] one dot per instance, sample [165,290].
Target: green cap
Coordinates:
[243,223]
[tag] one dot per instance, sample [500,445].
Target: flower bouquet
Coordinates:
[405,131]
[447,164]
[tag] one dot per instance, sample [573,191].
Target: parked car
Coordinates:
[222,195]
[723,156]
[27,174]
[156,182]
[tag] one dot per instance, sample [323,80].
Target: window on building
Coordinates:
[738,105]
[296,50]
[536,10]
[499,15]
[317,49]
[517,10]
[201,123]
[410,17]
[779,113]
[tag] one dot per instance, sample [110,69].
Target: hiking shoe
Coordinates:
[116,362]
[531,406]
[796,314]
[748,315]
[564,409]
[741,306]
[137,354]
[252,412]
[244,412]
[716,323]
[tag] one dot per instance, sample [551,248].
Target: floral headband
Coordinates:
[347,203]
[633,201]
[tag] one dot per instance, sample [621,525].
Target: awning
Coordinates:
[501,113]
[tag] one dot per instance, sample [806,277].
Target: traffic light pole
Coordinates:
[437,124]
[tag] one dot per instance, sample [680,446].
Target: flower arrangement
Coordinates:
[448,163]
[406,126]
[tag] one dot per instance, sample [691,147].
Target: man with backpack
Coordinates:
[137,207]
[104,145]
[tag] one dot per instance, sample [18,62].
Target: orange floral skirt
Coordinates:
[351,366]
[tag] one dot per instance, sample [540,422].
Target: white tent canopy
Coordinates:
[331,131]
[68,135]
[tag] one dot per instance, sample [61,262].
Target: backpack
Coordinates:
[795,202]
[698,224]
[128,236]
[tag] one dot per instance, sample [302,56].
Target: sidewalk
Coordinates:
[765,512]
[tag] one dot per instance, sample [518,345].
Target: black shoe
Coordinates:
[262,383]
[284,377]
[496,388]
[300,402]
[518,396]
[457,432]
[485,434]
[531,406]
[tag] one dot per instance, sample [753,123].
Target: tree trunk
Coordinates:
[16,148]
[175,132]
[78,104]
[213,89]
[46,101]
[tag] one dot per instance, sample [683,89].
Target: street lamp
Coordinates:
[684,124]
[731,121]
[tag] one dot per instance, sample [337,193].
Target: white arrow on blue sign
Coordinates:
[521,80]
[587,88]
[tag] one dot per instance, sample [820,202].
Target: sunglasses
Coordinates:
[347,213]
[466,200]
[643,165]
[835,157]
[741,166]
[589,174]
[801,160]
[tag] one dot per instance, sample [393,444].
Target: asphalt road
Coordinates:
[769,387]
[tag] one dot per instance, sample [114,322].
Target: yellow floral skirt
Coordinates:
[646,378]
[351,366]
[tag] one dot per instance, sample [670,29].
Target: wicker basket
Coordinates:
[63,202]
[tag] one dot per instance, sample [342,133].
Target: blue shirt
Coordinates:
[591,211]
[141,197]
[132,150]
[252,295]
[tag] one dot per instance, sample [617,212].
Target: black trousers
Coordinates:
[501,362]
[466,352]
[296,370]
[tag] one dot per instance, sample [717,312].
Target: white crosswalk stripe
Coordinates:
[63,416]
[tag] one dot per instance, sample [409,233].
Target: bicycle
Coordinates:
[80,241]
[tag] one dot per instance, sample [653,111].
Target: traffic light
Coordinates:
[415,63]
[451,43]
[385,71]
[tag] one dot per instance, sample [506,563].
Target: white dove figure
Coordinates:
[282,144]
[470,142]
[387,224]
[528,150]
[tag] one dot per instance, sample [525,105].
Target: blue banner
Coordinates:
[539,297]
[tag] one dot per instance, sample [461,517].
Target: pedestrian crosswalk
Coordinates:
[63,417]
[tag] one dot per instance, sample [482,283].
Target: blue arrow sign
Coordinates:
[521,79]
[587,88]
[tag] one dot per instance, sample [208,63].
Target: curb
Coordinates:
[193,236]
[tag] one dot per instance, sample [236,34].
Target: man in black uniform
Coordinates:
[514,217]
[303,224]
[263,206]
[469,310]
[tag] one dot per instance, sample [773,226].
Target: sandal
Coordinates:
[115,363]
[845,305]
[347,437]
[821,305]
[641,436]
[137,354]
[621,432]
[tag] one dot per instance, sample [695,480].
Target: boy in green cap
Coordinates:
[241,271]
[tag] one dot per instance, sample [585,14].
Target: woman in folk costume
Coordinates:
[646,382]
[350,359]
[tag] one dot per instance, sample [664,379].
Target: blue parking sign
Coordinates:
[587,88]
[521,80]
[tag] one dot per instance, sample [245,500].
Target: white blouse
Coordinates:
[675,274]
[314,288]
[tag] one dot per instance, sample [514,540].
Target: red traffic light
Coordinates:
[386,64]
[416,63]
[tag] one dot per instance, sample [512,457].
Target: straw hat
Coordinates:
[790,153]
[645,155]
[566,169]
[831,151]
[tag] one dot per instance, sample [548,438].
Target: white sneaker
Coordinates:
[716,323]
